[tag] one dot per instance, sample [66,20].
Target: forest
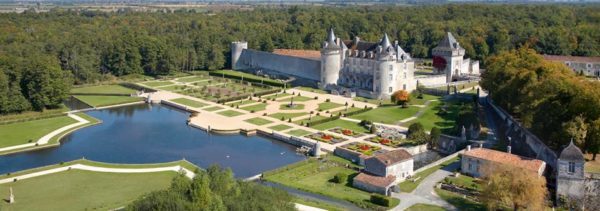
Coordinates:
[43,54]
[547,97]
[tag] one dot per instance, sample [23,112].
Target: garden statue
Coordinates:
[11,198]
[463,133]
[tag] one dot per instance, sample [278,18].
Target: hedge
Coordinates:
[321,121]
[381,200]
[358,111]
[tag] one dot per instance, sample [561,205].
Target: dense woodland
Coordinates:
[547,97]
[42,55]
[216,189]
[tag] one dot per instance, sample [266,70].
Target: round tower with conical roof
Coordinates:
[386,69]
[330,61]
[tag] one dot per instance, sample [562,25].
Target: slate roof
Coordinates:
[447,43]
[505,158]
[375,180]
[361,45]
[392,157]
[571,153]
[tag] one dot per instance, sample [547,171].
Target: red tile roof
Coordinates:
[505,158]
[392,157]
[375,180]
[307,54]
[590,59]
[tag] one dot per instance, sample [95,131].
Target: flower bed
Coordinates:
[365,149]
[326,138]
[389,142]
[346,132]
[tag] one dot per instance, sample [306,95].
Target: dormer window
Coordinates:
[571,167]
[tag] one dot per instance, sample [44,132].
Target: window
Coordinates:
[390,90]
[404,87]
[391,67]
[391,77]
[404,75]
[470,167]
[571,167]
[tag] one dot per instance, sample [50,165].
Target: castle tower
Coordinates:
[330,61]
[570,177]
[236,52]
[386,68]
[448,57]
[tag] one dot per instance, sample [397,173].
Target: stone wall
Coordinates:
[349,155]
[295,66]
[438,162]
[369,188]
[416,149]
[523,142]
[431,81]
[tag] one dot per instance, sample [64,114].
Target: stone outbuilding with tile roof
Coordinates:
[384,170]
[474,160]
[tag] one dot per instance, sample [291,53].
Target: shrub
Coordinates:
[381,200]
[373,129]
[316,97]
[290,120]
[340,178]
[328,100]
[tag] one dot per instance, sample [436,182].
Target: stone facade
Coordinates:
[367,69]
[570,176]
[474,161]
[588,66]
[448,57]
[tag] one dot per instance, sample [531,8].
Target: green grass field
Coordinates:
[103,100]
[157,83]
[258,121]
[298,132]
[245,75]
[188,102]
[387,114]
[213,108]
[280,127]
[432,118]
[416,101]
[256,107]
[191,79]
[287,115]
[329,105]
[83,190]
[312,176]
[344,124]
[310,89]
[408,185]
[241,102]
[230,113]
[22,132]
[459,202]
[174,88]
[425,207]
[103,89]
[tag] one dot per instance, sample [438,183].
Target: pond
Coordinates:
[155,133]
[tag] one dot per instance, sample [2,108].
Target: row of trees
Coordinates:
[86,46]
[547,97]
[215,189]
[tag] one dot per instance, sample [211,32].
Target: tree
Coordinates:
[434,137]
[512,186]
[577,130]
[400,97]
[340,178]
[417,133]
[593,138]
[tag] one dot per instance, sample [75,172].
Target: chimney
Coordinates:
[395,43]
[508,149]
[469,147]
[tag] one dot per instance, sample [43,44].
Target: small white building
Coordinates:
[384,170]
[588,66]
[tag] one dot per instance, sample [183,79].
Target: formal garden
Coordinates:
[365,149]
[326,138]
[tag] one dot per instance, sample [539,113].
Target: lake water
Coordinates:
[152,134]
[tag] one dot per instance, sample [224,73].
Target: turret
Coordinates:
[448,57]
[236,52]
[330,61]
[386,68]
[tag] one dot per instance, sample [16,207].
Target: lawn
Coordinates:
[374,101]
[296,99]
[342,124]
[256,107]
[317,204]
[230,113]
[286,116]
[295,107]
[298,132]
[174,88]
[433,118]
[592,166]
[157,83]
[22,132]
[191,79]
[387,114]
[213,108]
[103,89]
[83,190]
[416,101]
[315,176]
[240,102]
[103,100]
[425,207]
[276,96]
[312,119]
[408,185]
[458,201]
[280,127]
[246,76]
[328,105]
[258,121]
[188,102]
[310,89]
[465,182]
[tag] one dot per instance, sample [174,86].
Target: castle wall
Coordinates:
[296,66]
[430,81]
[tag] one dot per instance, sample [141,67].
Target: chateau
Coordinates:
[356,67]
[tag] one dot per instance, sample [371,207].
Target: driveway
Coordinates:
[424,193]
